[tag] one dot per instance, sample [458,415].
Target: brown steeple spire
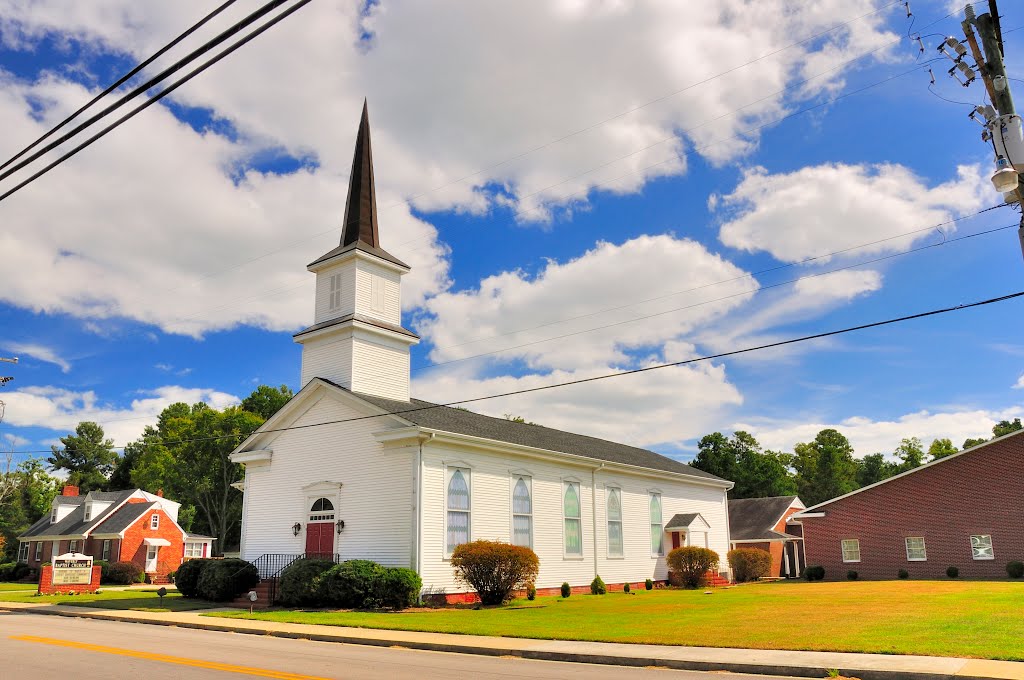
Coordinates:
[361,206]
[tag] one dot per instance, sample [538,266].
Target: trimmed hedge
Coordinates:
[597,586]
[749,564]
[362,584]
[648,584]
[625,587]
[952,572]
[400,588]
[187,576]
[14,571]
[494,569]
[302,583]
[852,575]
[1015,569]
[531,592]
[814,573]
[565,589]
[690,564]
[903,574]
[124,573]
[223,580]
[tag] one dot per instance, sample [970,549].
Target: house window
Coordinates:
[105,554]
[88,512]
[377,294]
[73,546]
[154,521]
[657,528]
[335,299]
[193,549]
[613,509]
[522,512]
[39,550]
[53,516]
[23,552]
[981,547]
[851,550]
[322,510]
[915,549]
[458,507]
[572,517]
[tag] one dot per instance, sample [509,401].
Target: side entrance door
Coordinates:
[151,552]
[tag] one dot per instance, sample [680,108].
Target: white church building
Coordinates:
[355,468]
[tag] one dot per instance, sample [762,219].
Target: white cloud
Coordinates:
[1019,385]
[142,218]
[40,352]
[821,209]
[610,287]
[872,436]
[59,409]
[14,441]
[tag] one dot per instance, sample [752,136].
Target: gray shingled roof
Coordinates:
[457,421]
[359,245]
[73,524]
[752,519]
[683,520]
[356,317]
[126,515]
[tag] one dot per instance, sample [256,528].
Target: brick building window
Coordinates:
[106,550]
[851,550]
[981,547]
[154,521]
[23,552]
[39,550]
[915,549]
[72,546]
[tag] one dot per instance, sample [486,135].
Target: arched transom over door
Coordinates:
[320,528]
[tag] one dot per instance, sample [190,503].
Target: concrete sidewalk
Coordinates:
[759,661]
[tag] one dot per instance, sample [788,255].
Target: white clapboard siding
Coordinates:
[491,480]
[380,368]
[347,271]
[375,498]
[329,357]
[391,311]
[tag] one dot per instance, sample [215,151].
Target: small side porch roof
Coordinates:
[688,521]
[158,542]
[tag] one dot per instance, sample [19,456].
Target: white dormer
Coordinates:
[94,507]
[59,510]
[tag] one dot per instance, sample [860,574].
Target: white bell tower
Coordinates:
[357,339]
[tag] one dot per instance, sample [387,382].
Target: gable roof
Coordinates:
[920,468]
[684,520]
[448,419]
[126,515]
[752,519]
[74,523]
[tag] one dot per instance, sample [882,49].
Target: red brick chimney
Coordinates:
[160,492]
[70,491]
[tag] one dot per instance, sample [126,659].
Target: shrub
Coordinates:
[7,571]
[399,588]
[187,577]
[104,566]
[749,564]
[691,564]
[494,569]
[814,573]
[625,587]
[124,573]
[852,575]
[903,574]
[648,584]
[597,586]
[566,590]
[531,592]
[301,583]
[223,580]
[1015,569]
[354,584]
[952,572]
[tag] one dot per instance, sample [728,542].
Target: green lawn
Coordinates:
[940,618]
[146,601]
[6,587]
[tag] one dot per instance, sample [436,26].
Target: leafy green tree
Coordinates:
[33,490]
[910,453]
[940,448]
[825,467]
[87,455]
[874,468]
[187,456]
[1004,427]
[265,401]
[716,456]
[971,443]
[121,477]
[757,473]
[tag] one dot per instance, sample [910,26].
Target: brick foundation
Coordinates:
[46,586]
[441,599]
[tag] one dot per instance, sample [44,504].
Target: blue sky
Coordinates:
[167,262]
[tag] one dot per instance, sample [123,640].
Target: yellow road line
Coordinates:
[164,658]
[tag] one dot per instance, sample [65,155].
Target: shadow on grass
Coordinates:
[147,604]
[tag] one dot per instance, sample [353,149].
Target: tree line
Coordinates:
[819,470]
[184,455]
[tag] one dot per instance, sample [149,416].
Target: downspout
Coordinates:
[593,507]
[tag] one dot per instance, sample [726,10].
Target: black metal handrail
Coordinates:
[271,565]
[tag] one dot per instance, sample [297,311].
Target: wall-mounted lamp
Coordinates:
[296,529]
[340,524]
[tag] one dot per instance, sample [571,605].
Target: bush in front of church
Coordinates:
[690,565]
[123,573]
[363,584]
[495,569]
[223,580]
[302,583]
[186,578]
[749,564]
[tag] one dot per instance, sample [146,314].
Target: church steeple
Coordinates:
[361,206]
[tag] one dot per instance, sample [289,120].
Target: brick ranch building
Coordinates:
[116,526]
[962,511]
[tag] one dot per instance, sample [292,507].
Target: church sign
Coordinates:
[72,569]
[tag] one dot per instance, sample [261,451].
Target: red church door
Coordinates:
[320,528]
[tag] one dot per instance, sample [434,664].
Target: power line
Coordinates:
[120,81]
[605,376]
[157,97]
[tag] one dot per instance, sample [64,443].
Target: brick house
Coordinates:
[765,524]
[116,526]
[962,511]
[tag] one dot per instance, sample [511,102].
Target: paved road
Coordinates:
[53,647]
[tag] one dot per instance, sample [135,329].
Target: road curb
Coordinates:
[751,668]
